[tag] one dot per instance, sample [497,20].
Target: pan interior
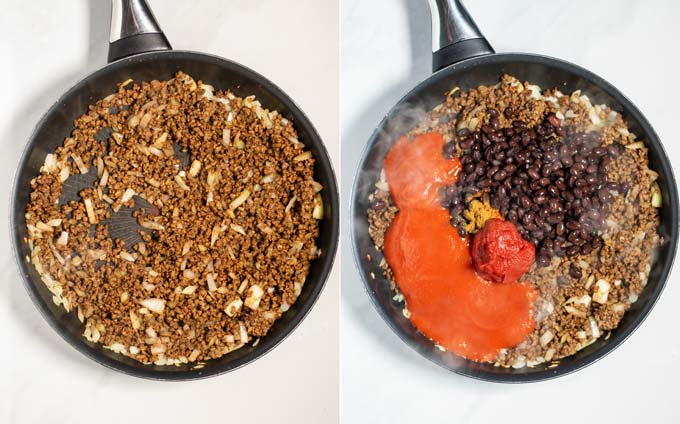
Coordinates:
[487,70]
[222,74]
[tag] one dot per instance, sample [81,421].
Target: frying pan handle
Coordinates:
[134,30]
[455,35]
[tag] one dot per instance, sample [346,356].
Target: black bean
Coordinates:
[572,250]
[500,175]
[586,249]
[466,143]
[463,132]
[449,150]
[542,261]
[574,271]
[604,162]
[573,225]
[597,243]
[378,204]
[487,129]
[615,149]
[491,171]
[593,214]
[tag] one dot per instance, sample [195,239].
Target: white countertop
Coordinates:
[385,49]
[45,47]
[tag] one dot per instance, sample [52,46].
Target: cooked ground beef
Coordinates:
[227,208]
[583,296]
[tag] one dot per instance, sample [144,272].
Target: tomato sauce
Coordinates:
[432,266]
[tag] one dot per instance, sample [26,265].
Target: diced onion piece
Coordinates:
[579,300]
[290,204]
[155,151]
[210,279]
[546,338]
[50,163]
[43,227]
[63,239]
[207,91]
[64,173]
[657,199]
[594,329]
[574,311]
[181,183]
[157,349]
[187,247]
[215,234]
[241,199]
[91,216]
[601,291]
[127,195]
[97,254]
[189,289]
[195,168]
[243,333]
[295,141]
[635,146]
[79,163]
[317,212]
[117,137]
[160,141]
[316,187]
[303,156]
[54,222]
[255,294]
[127,256]
[144,122]
[268,179]
[152,225]
[226,136]
[265,229]
[237,228]
[136,322]
[233,307]
[124,297]
[154,304]
[194,354]
[189,274]
[104,179]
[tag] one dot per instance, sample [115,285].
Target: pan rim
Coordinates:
[650,134]
[327,263]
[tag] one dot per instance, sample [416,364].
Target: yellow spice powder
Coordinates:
[477,214]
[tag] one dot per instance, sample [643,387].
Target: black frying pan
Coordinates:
[463,57]
[140,51]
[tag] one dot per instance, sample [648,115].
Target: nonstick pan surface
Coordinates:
[468,63]
[158,62]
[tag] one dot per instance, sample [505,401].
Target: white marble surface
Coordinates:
[45,47]
[385,49]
